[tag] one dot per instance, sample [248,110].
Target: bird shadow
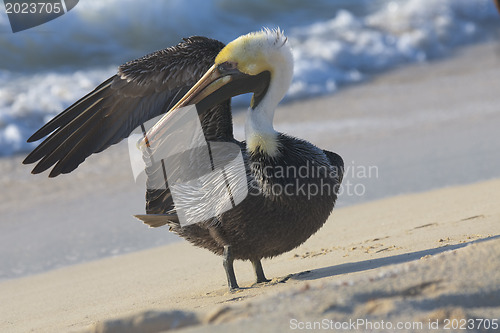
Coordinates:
[366,265]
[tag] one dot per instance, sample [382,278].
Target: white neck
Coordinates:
[260,134]
[260,119]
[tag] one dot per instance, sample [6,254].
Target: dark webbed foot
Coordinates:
[259,272]
[227,261]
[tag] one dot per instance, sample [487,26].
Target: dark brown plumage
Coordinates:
[268,222]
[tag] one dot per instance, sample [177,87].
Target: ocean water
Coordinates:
[335,43]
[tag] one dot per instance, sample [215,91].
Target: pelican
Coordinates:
[206,73]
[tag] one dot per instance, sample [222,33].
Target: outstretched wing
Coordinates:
[142,89]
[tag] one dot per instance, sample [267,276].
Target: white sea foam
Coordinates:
[29,101]
[347,48]
[44,72]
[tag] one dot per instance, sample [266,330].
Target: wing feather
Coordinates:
[142,89]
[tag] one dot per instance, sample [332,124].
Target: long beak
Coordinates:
[213,88]
[210,82]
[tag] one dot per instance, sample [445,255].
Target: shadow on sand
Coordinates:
[365,265]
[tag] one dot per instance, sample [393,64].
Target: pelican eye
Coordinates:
[227,66]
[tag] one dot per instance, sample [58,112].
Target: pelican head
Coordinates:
[260,63]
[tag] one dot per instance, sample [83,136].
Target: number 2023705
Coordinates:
[34,8]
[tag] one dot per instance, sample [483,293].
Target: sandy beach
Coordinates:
[415,240]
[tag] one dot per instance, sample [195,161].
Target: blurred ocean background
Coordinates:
[335,42]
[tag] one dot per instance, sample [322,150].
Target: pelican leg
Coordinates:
[259,272]
[227,261]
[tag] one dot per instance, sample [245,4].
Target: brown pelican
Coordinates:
[205,73]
